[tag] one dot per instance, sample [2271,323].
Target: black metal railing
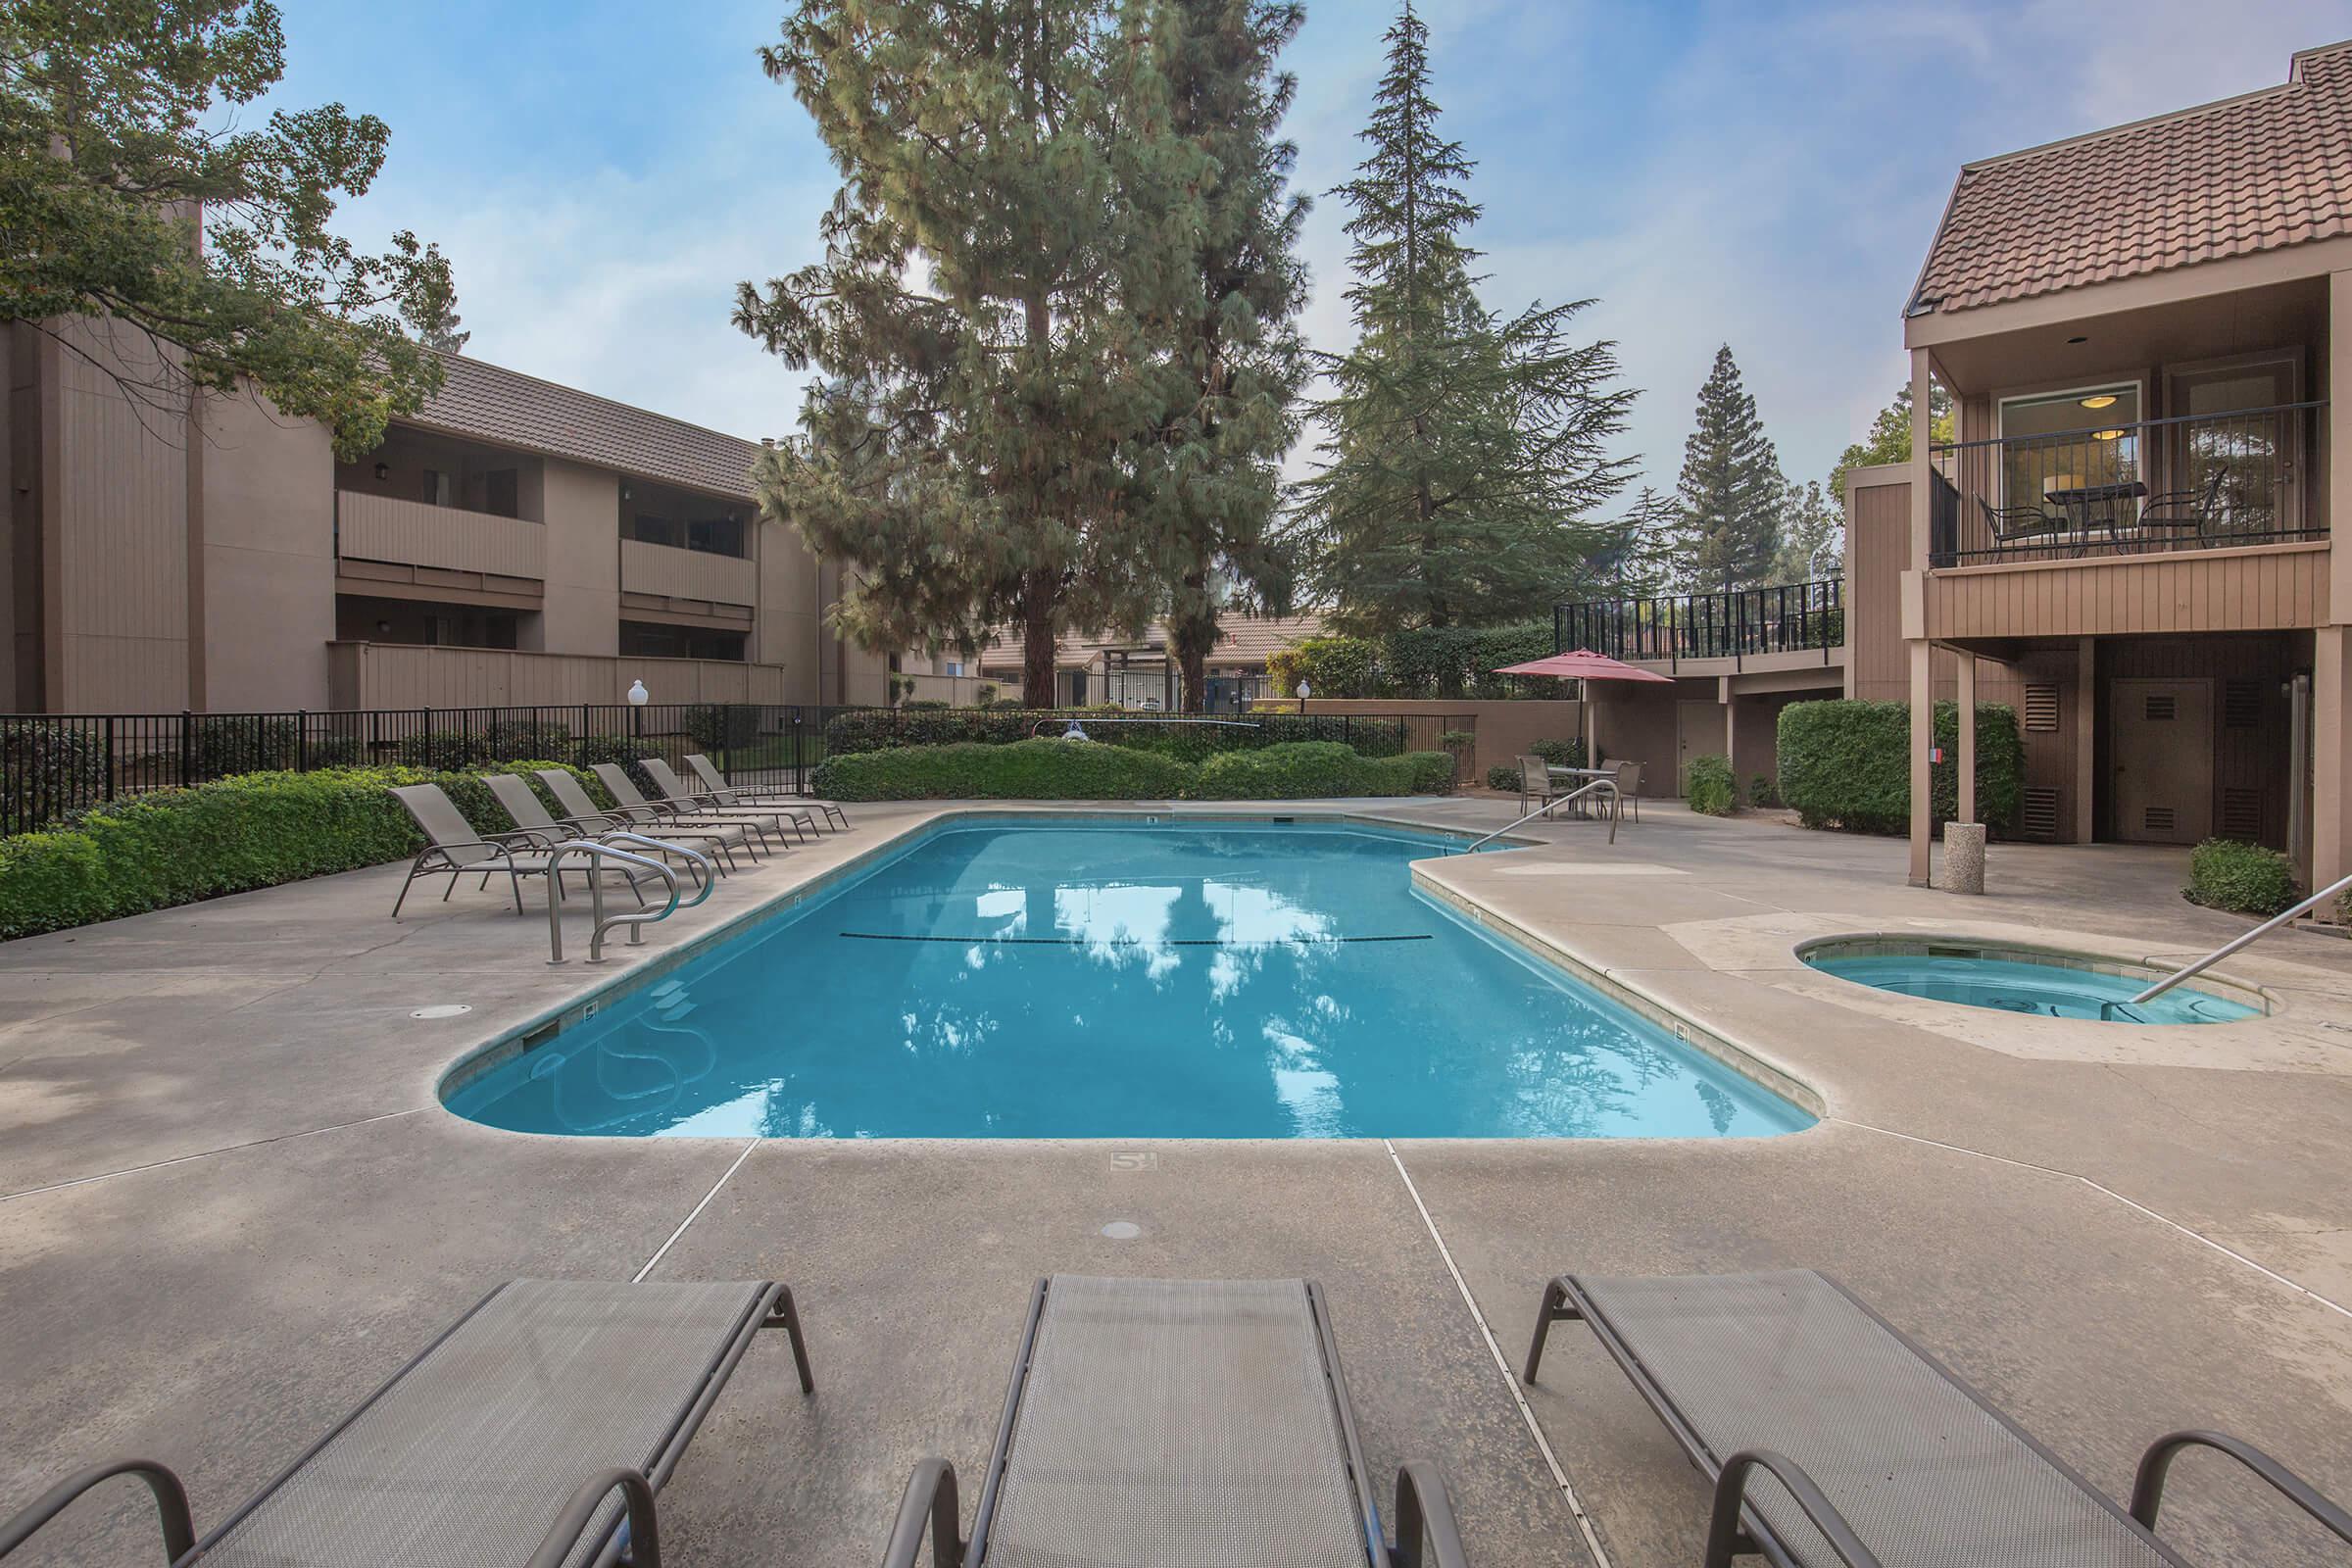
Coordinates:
[2190,482]
[54,767]
[1743,622]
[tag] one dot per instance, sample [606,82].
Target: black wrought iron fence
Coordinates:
[55,766]
[1790,617]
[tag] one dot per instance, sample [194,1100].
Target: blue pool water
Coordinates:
[2040,990]
[1094,979]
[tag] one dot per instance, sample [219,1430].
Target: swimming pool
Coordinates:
[2046,985]
[1117,978]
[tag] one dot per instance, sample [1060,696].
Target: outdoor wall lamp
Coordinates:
[638,695]
[383,470]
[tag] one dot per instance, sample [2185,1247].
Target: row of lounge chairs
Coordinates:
[714,821]
[1200,1423]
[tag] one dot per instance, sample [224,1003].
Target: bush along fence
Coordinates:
[1846,763]
[1044,769]
[54,767]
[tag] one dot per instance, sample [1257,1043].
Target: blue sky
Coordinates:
[1762,174]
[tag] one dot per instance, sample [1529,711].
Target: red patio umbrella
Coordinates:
[1584,665]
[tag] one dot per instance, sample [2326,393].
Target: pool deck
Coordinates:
[230,1204]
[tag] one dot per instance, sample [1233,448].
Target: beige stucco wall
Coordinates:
[582,613]
[267,558]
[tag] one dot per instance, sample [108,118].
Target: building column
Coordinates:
[1922,737]
[1730,728]
[2330,755]
[1964,751]
[2086,740]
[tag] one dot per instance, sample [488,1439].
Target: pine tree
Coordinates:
[1731,489]
[1812,534]
[963,453]
[1632,557]
[1229,362]
[1461,452]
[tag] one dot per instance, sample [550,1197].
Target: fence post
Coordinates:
[105,790]
[188,746]
[302,740]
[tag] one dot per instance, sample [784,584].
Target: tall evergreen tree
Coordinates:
[1228,363]
[1812,534]
[1731,489]
[1462,451]
[1631,558]
[963,453]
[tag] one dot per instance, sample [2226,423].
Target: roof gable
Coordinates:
[2252,174]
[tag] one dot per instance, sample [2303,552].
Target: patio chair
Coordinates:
[2191,517]
[1876,1451]
[726,793]
[1535,783]
[454,850]
[531,817]
[1200,1422]
[624,791]
[677,791]
[537,1429]
[1629,788]
[2019,527]
[644,820]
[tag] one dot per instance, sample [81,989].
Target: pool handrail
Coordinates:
[1616,802]
[2189,970]
[636,919]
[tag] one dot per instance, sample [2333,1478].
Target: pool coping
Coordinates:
[546,1024]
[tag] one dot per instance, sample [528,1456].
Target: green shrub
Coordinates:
[1707,786]
[722,726]
[1040,770]
[1299,770]
[253,830]
[1331,667]
[2245,879]
[1503,777]
[1761,793]
[52,771]
[1560,753]
[926,705]
[1846,763]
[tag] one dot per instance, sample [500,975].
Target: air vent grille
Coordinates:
[2241,813]
[2041,707]
[2242,704]
[2040,812]
[2160,707]
[2158,819]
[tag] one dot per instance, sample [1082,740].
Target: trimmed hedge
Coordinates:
[878,729]
[1708,787]
[1045,770]
[1443,662]
[1848,763]
[173,847]
[2244,878]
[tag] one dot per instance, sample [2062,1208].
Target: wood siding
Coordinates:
[686,574]
[372,527]
[1878,548]
[399,676]
[2265,588]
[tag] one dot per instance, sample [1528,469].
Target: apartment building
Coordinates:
[516,542]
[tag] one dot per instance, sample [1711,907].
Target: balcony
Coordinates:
[2201,482]
[413,533]
[1781,626]
[366,674]
[689,575]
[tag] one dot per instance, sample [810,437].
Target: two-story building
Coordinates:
[515,543]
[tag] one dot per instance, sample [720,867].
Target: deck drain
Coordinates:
[1122,1230]
[441,1009]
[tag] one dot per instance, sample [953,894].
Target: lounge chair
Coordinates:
[630,798]
[1195,1422]
[676,791]
[725,794]
[1535,783]
[584,814]
[532,815]
[454,850]
[527,1433]
[1876,1452]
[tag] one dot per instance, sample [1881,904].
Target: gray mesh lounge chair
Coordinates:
[722,793]
[532,815]
[584,814]
[1195,1422]
[1535,782]
[454,850]
[1872,1451]
[527,1433]
[631,799]
[676,791]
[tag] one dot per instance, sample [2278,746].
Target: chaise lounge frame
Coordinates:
[632,1534]
[1735,1527]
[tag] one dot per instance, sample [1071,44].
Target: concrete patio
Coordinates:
[230,1204]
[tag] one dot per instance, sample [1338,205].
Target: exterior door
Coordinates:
[2257,455]
[1698,732]
[2160,747]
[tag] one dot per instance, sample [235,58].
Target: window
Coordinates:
[502,493]
[437,488]
[659,515]
[645,639]
[2058,445]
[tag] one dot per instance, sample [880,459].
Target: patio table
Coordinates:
[1585,774]
[2079,501]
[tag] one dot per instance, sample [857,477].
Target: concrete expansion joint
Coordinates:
[208,1153]
[2193,1233]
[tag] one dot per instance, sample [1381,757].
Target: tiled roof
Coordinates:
[2270,169]
[1241,640]
[490,403]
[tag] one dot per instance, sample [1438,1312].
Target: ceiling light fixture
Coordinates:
[2105,400]
[2106,435]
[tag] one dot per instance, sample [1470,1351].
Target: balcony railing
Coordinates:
[2192,483]
[647,569]
[411,533]
[1742,623]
